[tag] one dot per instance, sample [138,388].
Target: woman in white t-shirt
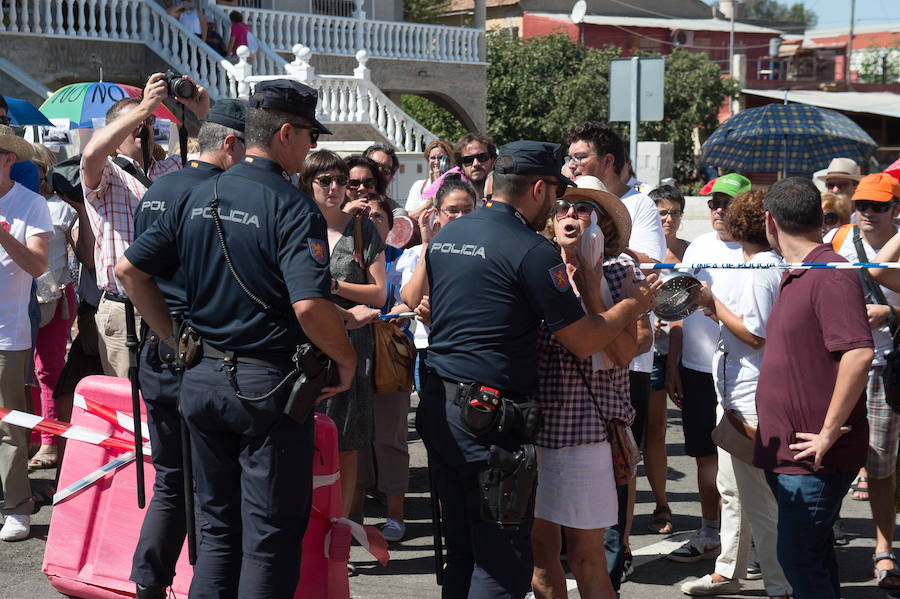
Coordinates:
[742,317]
[434,153]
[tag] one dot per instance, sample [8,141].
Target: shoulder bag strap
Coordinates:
[358,242]
[872,289]
[128,166]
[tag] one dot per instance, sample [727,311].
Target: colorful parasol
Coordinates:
[83,102]
[23,113]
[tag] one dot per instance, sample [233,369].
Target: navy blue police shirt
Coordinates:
[492,280]
[277,240]
[163,194]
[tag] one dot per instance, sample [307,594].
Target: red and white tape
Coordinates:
[121,419]
[64,429]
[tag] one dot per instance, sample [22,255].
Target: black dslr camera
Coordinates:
[178,85]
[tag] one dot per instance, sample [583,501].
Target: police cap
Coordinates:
[288,96]
[229,113]
[526,157]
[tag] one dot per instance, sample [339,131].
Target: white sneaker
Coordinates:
[706,587]
[393,530]
[16,528]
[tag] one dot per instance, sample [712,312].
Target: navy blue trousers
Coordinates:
[484,561]
[163,531]
[253,479]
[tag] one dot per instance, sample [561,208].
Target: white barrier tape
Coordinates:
[86,481]
[65,429]
[781,265]
[325,480]
[125,421]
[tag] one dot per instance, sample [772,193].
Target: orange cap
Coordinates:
[877,188]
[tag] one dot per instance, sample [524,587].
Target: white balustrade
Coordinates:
[133,21]
[278,31]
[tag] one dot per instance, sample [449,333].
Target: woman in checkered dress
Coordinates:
[576,486]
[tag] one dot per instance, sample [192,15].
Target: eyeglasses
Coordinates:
[367,183]
[673,213]
[456,211]
[578,158]
[837,184]
[313,132]
[327,180]
[436,158]
[831,219]
[717,203]
[877,207]
[4,119]
[483,157]
[582,209]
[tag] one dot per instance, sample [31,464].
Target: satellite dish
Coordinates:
[578,12]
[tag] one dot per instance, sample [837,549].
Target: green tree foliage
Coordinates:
[425,11]
[433,117]
[772,10]
[538,88]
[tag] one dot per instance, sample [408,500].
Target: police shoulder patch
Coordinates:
[318,251]
[559,277]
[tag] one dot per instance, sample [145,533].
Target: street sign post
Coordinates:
[636,92]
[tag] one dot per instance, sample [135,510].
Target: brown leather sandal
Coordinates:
[662,521]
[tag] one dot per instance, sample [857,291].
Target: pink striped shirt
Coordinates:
[110,208]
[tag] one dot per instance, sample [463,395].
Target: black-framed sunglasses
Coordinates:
[831,219]
[877,207]
[313,132]
[483,157]
[582,209]
[716,203]
[367,183]
[327,180]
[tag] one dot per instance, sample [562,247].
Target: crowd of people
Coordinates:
[536,346]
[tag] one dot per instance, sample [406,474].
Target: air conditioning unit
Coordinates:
[682,38]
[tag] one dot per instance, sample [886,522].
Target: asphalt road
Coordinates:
[410,572]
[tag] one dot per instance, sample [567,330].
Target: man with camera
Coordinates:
[254,253]
[221,141]
[492,281]
[115,177]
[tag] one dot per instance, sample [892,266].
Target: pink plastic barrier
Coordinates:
[94,532]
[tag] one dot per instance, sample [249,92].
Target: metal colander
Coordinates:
[674,301]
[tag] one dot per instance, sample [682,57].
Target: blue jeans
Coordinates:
[808,505]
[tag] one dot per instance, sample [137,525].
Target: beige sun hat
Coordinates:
[842,168]
[10,142]
[591,189]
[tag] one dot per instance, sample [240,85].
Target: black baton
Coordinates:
[131,342]
[187,462]
[436,528]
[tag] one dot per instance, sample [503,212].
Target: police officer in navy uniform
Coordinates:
[492,280]
[221,140]
[252,462]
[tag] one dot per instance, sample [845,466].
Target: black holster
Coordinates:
[314,371]
[507,486]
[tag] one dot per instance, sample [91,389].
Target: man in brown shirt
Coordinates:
[813,435]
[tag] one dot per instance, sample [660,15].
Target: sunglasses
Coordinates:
[877,207]
[582,209]
[327,180]
[313,132]
[831,219]
[837,184]
[5,120]
[483,157]
[367,183]
[717,203]
[673,213]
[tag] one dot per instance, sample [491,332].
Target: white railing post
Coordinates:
[362,71]
[242,70]
[300,67]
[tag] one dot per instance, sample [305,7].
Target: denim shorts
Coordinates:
[658,374]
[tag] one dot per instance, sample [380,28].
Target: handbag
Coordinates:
[395,354]
[395,358]
[626,454]
[735,436]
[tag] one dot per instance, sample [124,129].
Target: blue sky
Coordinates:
[836,13]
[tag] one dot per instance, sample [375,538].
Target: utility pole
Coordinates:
[731,43]
[850,42]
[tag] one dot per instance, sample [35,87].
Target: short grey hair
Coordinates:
[212,136]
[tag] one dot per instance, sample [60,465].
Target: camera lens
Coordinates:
[182,88]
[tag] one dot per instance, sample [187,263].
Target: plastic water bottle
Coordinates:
[592,243]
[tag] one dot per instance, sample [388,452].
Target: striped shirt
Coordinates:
[110,208]
[571,415]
